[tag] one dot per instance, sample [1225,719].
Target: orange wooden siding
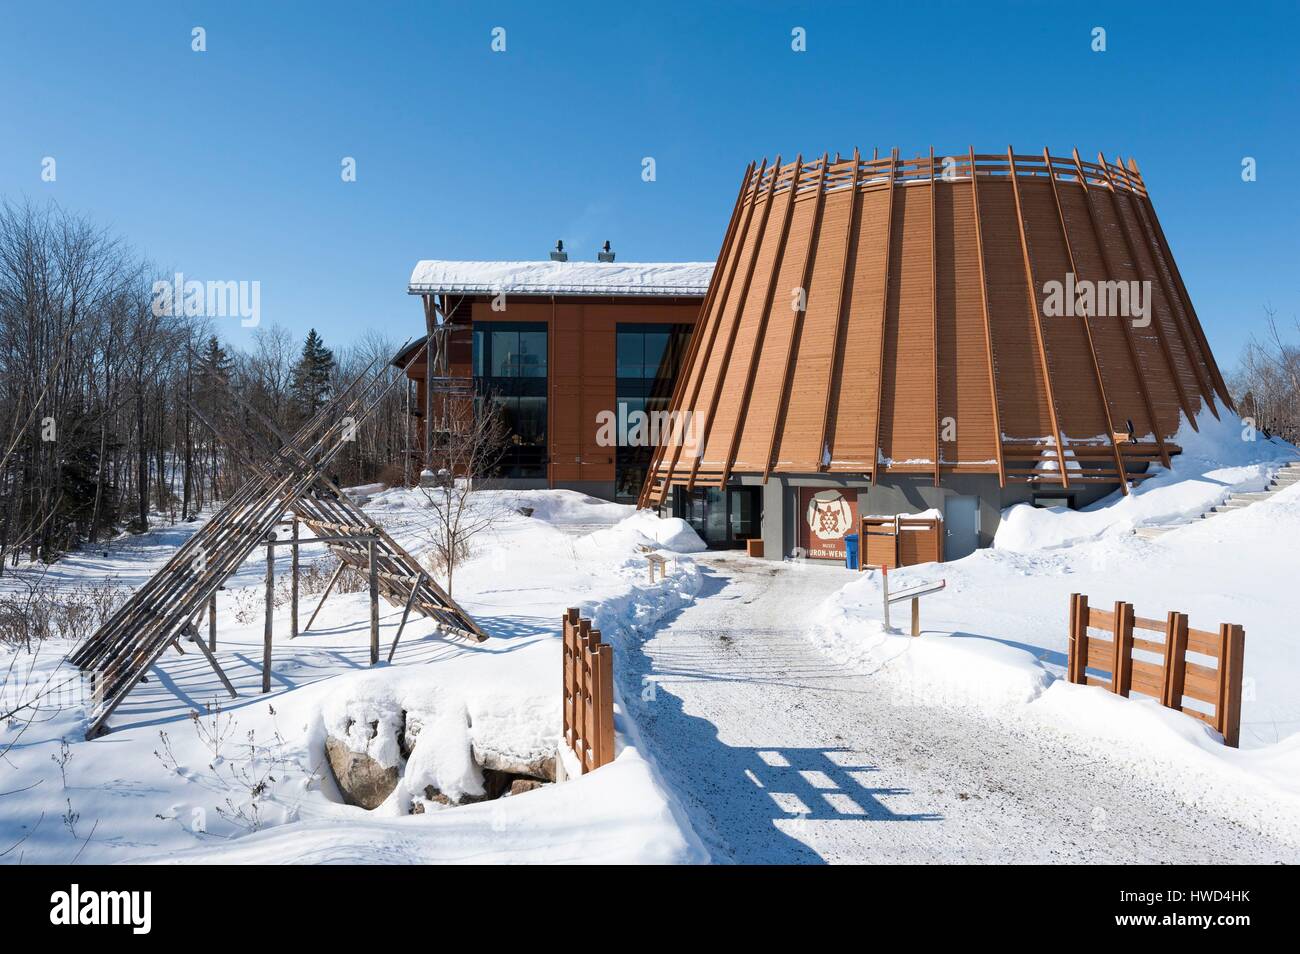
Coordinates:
[925,283]
[581,372]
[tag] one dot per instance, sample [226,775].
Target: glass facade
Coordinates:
[723,518]
[510,369]
[648,357]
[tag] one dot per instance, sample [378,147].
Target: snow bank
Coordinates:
[1216,461]
[645,530]
[935,669]
[995,641]
[1260,787]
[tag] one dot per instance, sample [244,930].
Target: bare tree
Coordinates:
[1266,386]
[468,453]
[97,430]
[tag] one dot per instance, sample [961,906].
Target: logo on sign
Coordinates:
[829,515]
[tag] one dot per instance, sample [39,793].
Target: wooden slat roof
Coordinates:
[888,314]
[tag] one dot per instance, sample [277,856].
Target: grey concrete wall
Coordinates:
[780,534]
[899,495]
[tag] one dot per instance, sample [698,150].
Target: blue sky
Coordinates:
[225,164]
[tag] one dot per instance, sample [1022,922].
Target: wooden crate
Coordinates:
[899,541]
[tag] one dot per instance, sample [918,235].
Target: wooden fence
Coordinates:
[1171,680]
[899,541]
[588,693]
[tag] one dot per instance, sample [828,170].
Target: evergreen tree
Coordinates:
[310,385]
[214,370]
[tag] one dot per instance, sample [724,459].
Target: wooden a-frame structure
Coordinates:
[293,481]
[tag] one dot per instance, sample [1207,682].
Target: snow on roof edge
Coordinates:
[548,278]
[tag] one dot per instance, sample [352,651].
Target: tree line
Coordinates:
[1266,385]
[108,407]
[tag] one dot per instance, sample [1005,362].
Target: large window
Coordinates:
[648,358]
[510,368]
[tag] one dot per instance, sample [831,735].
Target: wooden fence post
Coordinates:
[374,604]
[916,616]
[595,704]
[293,584]
[580,692]
[605,676]
[570,650]
[270,613]
[1232,646]
[1173,684]
[1175,659]
[588,688]
[1121,674]
[1077,662]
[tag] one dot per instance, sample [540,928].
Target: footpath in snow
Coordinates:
[783,753]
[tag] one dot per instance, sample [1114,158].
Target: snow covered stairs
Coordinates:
[1284,478]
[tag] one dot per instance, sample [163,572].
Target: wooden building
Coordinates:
[959,332]
[566,348]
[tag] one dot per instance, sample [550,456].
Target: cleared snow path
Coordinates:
[782,755]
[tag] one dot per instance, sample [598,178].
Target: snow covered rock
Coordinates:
[538,765]
[362,780]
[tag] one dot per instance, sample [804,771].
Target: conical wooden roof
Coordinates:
[876,316]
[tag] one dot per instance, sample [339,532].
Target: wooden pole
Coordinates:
[836,363]
[581,689]
[1232,647]
[1039,339]
[1121,675]
[605,731]
[293,584]
[791,348]
[916,616]
[680,387]
[884,327]
[716,393]
[934,321]
[374,604]
[212,622]
[212,660]
[769,294]
[1103,399]
[270,615]
[324,596]
[430,325]
[1071,650]
[988,327]
[1130,245]
[415,588]
[1175,659]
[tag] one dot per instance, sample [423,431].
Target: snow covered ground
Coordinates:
[785,754]
[164,786]
[995,641]
[763,712]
